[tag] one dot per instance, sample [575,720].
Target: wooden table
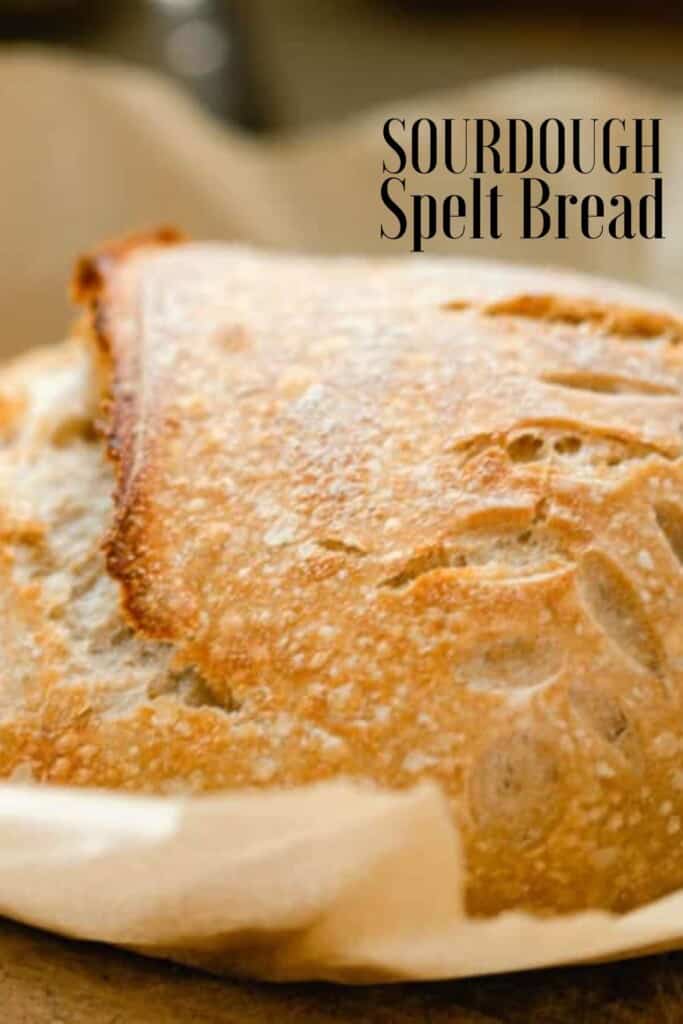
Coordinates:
[48,980]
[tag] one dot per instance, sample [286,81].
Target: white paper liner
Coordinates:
[332,881]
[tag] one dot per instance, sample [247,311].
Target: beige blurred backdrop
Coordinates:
[260,120]
[94,149]
[320,60]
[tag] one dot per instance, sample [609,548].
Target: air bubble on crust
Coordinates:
[605,717]
[615,605]
[503,545]
[620,321]
[425,561]
[670,521]
[606,383]
[569,444]
[341,546]
[515,788]
[526,448]
[188,686]
[514,663]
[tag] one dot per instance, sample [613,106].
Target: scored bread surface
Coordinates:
[390,521]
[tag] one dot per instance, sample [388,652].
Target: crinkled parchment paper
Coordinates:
[333,881]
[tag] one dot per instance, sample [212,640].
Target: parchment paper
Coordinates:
[328,882]
[335,881]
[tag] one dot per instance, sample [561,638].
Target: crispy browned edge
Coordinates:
[91,289]
[92,269]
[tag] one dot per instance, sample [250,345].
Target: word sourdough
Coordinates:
[481,151]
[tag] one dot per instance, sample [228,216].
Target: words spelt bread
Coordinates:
[392,521]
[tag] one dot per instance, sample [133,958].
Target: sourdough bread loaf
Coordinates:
[390,521]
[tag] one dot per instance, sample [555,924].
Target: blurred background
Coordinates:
[271,65]
[261,121]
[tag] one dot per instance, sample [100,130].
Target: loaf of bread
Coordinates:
[270,519]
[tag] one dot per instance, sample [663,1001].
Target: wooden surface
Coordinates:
[47,980]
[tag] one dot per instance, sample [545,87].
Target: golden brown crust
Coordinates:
[92,269]
[428,516]
[382,538]
[565,400]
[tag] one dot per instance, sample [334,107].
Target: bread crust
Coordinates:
[393,521]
